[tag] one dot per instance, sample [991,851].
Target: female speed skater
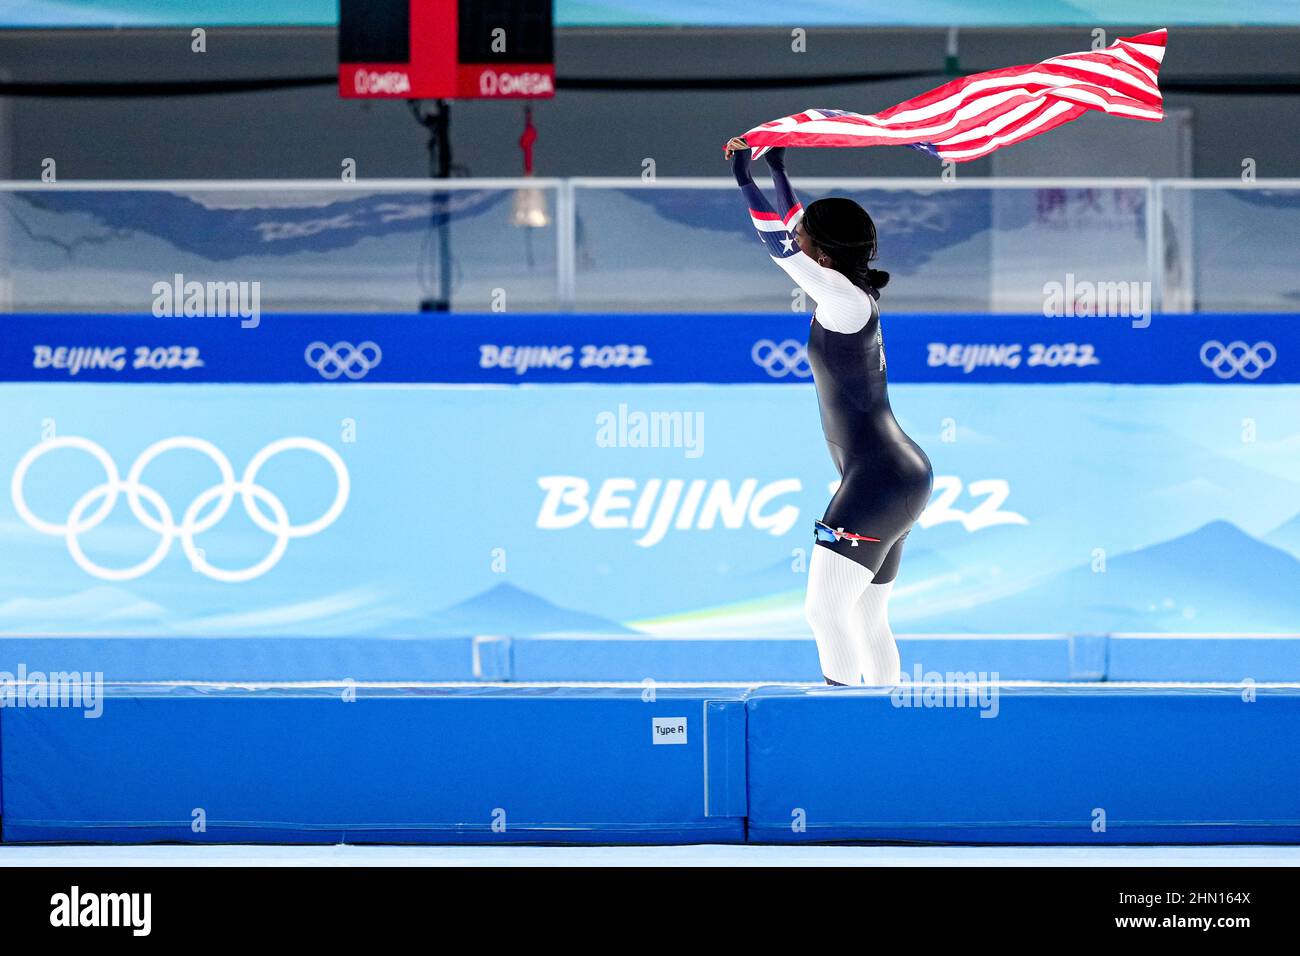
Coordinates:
[885,478]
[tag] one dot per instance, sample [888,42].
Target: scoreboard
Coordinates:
[446,49]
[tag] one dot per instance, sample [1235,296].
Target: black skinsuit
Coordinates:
[886,478]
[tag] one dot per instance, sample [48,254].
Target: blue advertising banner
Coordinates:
[246,346]
[396,511]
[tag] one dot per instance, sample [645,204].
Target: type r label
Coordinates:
[669,730]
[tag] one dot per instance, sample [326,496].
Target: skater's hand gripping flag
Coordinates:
[971,117]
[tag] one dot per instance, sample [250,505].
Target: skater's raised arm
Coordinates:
[841,306]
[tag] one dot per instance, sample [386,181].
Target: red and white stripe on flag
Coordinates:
[977,114]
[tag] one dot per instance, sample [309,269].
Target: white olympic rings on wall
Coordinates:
[1237,358]
[790,357]
[343,358]
[104,496]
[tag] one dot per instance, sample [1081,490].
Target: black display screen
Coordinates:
[375,31]
[528,36]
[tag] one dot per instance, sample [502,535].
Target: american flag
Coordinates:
[971,117]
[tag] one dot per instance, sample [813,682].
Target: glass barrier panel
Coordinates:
[1004,249]
[1231,249]
[348,249]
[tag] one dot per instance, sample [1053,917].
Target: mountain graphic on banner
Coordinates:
[509,610]
[101,605]
[1216,578]
[1286,536]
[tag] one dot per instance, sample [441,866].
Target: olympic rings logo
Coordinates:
[1238,358]
[162,523]
[343,358]
[790,357]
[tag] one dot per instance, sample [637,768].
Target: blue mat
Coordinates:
[1083,765]
[421,765]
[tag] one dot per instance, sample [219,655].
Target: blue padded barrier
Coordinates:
[496,658]
[442,764]
[1189,657]
[1040,765]
[1012,657]
[1082,657]
[416,764]
[493,658]
[253,659]
[662,659]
